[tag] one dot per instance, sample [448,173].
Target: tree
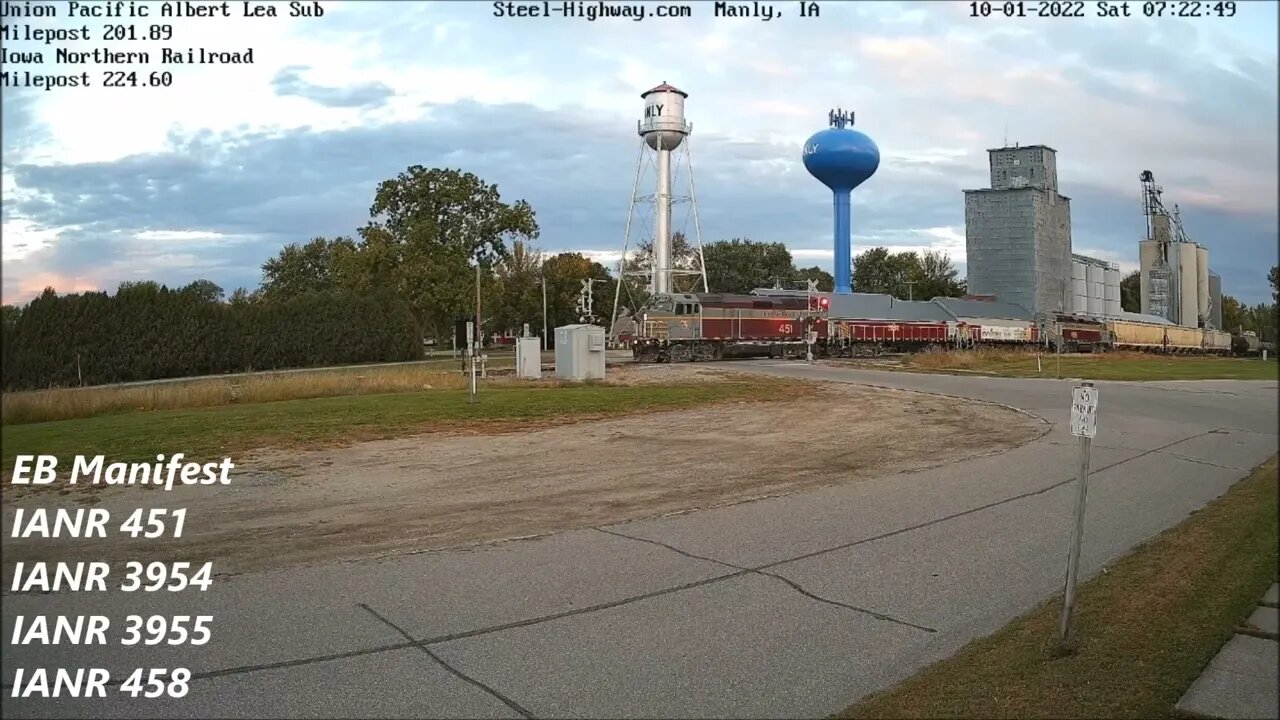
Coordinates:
[1131,292]
[422,207]
[741,265]
[1274,278]
[516,297]
[241,296]
[906,274]
[826,283]
[879,271]
[1234,315]
[305,268]
[683,256]
[935,276]
[204,290]
[430,228]
[564,274]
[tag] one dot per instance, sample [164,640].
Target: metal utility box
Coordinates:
[580,351]
[529,358]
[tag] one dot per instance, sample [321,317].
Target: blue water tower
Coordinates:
[842,158]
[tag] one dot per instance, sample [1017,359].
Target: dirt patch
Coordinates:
[390,496]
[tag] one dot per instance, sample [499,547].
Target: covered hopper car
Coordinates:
[1153,337]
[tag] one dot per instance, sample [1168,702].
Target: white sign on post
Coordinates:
[1084,411]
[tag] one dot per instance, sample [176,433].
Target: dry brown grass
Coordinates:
[69,403]
[19,408]
[994,359]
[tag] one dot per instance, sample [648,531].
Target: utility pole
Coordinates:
[543,282]
[911,290]
[475,349]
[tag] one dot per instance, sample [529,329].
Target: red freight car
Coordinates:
[873,337]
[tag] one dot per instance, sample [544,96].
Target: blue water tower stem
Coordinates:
[842,262]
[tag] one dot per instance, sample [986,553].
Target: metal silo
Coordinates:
[1079,288]
[1094,278]
[1188,281]
[1202,283]
[1215,301]
[1111,297]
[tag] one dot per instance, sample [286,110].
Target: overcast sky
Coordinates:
[213,175]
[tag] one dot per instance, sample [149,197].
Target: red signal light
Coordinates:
[824,302]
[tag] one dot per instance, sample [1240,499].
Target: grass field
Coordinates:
[71,403]
[1144,630]
[1103,366]
[232,428]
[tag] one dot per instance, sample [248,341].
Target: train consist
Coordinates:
[711,326]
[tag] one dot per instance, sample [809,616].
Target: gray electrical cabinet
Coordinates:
[580,352]
[529,358]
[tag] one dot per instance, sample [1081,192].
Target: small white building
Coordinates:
[580,352]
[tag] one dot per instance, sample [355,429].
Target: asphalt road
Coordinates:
[793,606]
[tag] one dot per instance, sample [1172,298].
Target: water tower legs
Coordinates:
[662,235]
[842,262]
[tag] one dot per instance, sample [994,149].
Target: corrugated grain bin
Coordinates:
[1111,292]
[1188,301]
[1202,282]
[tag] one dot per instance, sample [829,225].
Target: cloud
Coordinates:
[288,81]
[211,177]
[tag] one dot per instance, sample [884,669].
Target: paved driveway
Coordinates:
[793,606]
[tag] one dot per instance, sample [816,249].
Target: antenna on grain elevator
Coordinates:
[662,130]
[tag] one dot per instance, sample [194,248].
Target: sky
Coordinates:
[214,174]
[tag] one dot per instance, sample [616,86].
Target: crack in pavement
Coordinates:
[664,591]
[452,670]
[788,581]
[1205,462]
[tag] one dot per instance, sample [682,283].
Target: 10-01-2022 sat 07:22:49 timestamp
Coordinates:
[1102,9]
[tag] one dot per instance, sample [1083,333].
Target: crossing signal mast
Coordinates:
[586,301]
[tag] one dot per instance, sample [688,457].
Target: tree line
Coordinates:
[146,331]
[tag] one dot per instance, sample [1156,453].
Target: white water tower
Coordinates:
[663,129]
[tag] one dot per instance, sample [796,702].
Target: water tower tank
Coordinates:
[664,126]
[842,159]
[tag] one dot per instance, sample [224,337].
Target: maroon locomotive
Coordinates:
[681,327]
